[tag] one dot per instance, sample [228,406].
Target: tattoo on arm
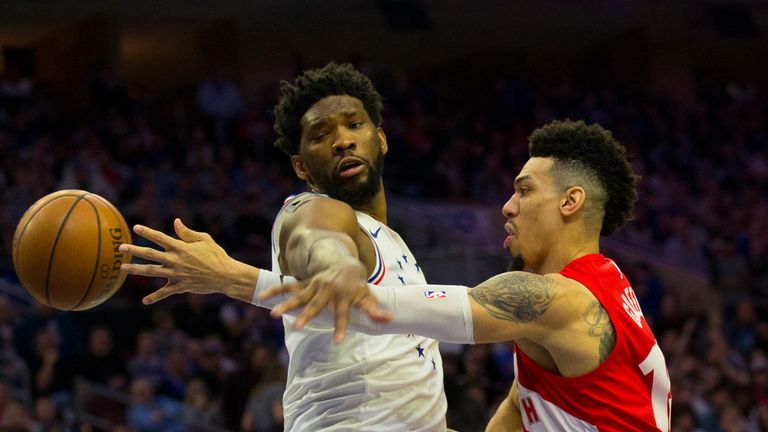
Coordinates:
[516,296]
[600,326]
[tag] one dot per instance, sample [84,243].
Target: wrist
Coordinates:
[242,281]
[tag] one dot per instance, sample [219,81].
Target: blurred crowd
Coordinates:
[205,155]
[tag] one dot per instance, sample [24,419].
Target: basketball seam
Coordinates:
[24,230]
[53,249]
[118,216]
[108,205]
[98,256]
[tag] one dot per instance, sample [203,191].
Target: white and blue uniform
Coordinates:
[366,383]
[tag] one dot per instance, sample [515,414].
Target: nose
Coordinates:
[511,207]
[344,142]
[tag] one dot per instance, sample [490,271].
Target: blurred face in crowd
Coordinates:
[341,151]
[197,392]
[141,391]
[146,344]
[533,215]
[45,342]
[101,342]
[45,410]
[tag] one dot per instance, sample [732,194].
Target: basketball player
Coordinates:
[585,357]
[328,123]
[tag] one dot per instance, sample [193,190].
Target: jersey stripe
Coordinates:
[381,269]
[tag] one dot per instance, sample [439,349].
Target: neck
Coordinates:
[376,207]
[561,257]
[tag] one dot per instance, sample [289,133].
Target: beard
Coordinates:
[516,263]
[357,194]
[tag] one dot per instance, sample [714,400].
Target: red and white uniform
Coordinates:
[629,391]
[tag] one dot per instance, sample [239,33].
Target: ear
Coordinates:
[299,167]
[573,201]
[382,140]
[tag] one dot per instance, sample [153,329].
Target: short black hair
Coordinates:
[311,86]
[590,154]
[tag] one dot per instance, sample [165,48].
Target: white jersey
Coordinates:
[366,383]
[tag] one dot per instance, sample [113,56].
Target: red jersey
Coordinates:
[629,391]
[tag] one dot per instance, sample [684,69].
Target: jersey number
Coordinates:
[660,392]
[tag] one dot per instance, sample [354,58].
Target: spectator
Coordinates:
[175,375]
[16,418]
[101,364]
[200,409]
[150,413]
[51,373]
[146,361]
[47,417]
[700,159]
[221,103]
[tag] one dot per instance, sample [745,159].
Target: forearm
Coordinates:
[506,419]
[311,251]
[439,312]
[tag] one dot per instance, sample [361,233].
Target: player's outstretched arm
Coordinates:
[503,308]
[193,263]
[320,237]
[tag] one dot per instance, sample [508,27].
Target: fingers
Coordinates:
[297,301]
[187,234]
[279,290]
[164,240]
[160,294]
[144,252]
[341,318]
[152,270]
[320,298]
[370,305]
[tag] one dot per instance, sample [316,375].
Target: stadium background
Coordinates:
[164,108]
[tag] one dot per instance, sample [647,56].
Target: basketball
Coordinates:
[65,250]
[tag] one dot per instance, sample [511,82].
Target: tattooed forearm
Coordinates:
[600,326]
[516,296]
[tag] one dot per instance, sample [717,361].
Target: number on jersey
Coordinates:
[661,397]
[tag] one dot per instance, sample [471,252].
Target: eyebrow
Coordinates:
[522,179]
[321,119]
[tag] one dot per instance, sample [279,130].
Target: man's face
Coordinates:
[533,215]
[341,151]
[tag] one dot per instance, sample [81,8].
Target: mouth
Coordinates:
[511,234]
[350,166]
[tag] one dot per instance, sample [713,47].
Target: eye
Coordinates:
[524,191]
[318,137]
[355,125]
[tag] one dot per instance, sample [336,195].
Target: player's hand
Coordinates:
[194,263]
[338,288]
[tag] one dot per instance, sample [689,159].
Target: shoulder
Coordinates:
[316,202]
[311,199]
[317,210]
[572,296]
[315,213]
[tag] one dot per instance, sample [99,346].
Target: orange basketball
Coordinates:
[65,250]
